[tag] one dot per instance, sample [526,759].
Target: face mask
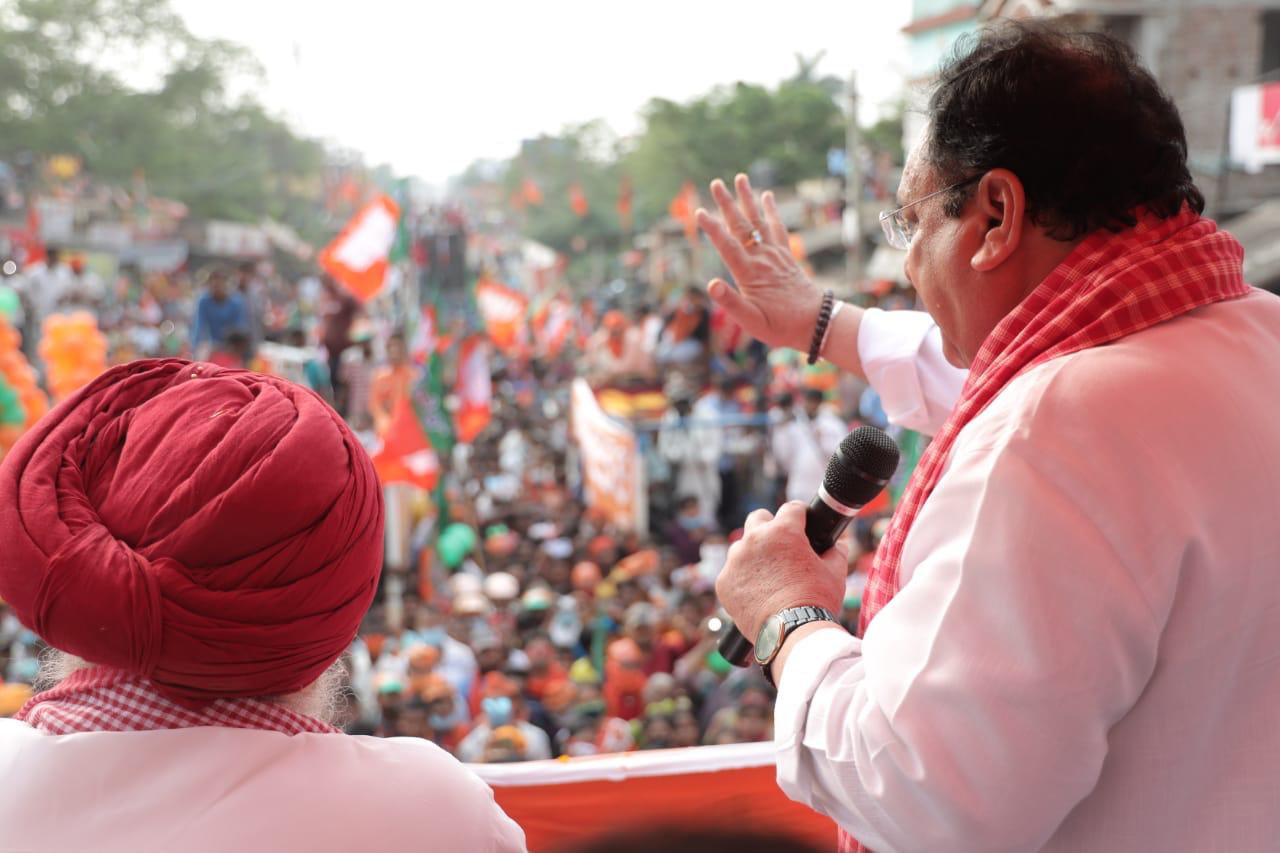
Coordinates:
[498,709]
[579,747]
[690,522]
[439,723]
[433,636]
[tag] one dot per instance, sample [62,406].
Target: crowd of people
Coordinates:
[541,630]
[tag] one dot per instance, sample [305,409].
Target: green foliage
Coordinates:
[61,92]
[582,155]
[886,135]
[781,135]
[784,134]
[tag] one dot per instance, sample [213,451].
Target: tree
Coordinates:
[785,133]
[583,157]
[185,137]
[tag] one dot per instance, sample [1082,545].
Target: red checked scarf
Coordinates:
[1110,286]
[111,700]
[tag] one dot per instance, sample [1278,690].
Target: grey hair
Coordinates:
[323,699]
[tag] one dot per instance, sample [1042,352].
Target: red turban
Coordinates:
[216,531]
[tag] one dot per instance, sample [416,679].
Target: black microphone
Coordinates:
[859,469]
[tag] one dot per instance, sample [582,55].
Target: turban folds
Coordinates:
[216,531]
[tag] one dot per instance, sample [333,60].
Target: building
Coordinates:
[1200,51]
[935,27]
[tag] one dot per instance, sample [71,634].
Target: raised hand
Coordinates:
[774,300]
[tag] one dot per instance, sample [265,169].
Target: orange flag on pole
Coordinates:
[406,454]
[625,194]
[503,311]
[531,191]
[683,207]
[578,201]
[357,257]
[475,389]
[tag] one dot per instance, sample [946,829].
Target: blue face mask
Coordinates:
[440,723]
[433,636]
[690,522]
[498,709]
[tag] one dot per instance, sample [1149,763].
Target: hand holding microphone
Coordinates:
[789,561]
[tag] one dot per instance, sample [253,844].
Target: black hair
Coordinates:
[1074,115]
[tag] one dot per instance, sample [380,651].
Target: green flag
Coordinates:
[428,404]
[400,248]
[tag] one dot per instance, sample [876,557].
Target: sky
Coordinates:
[429,86]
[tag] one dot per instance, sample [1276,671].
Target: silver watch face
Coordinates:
[768,640]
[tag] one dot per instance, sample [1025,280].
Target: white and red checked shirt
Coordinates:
[1083,654]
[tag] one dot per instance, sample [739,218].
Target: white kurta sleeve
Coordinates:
[901,355]
[975,713]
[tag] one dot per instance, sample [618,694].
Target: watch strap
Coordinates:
[792,618]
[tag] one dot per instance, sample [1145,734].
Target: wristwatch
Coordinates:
[774,631]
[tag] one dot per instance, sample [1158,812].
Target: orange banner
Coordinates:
[558,803]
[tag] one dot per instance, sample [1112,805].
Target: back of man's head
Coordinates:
[1074,115]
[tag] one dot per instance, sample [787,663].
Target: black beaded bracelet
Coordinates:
[820,330]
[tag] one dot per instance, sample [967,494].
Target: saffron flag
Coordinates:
[425,340]
[578,200]
[555,326]
[406,454]
[625,194]
[530,192]
[475,389]
[503,311]
[683,207]
[358,257]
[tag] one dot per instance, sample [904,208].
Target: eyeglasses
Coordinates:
[898,231]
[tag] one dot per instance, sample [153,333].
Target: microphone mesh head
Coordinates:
[865,455]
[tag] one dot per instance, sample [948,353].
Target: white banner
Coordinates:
[1255,126]
[612,473]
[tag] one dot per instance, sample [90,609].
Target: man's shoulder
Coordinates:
[1191,371]
[399,772]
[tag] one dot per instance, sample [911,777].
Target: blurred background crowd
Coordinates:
[514,622]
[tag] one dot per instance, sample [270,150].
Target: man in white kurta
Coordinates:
[1081,650]
[1150,730]
[803,445]
[224,789]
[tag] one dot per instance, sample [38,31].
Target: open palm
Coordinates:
[774,300]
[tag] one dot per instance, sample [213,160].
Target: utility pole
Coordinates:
[853,190]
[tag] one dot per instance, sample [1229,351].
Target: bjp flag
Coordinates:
[357,257]
[475,389]
[503,311]
[406,455]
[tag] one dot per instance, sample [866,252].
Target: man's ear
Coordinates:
[1000,205]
